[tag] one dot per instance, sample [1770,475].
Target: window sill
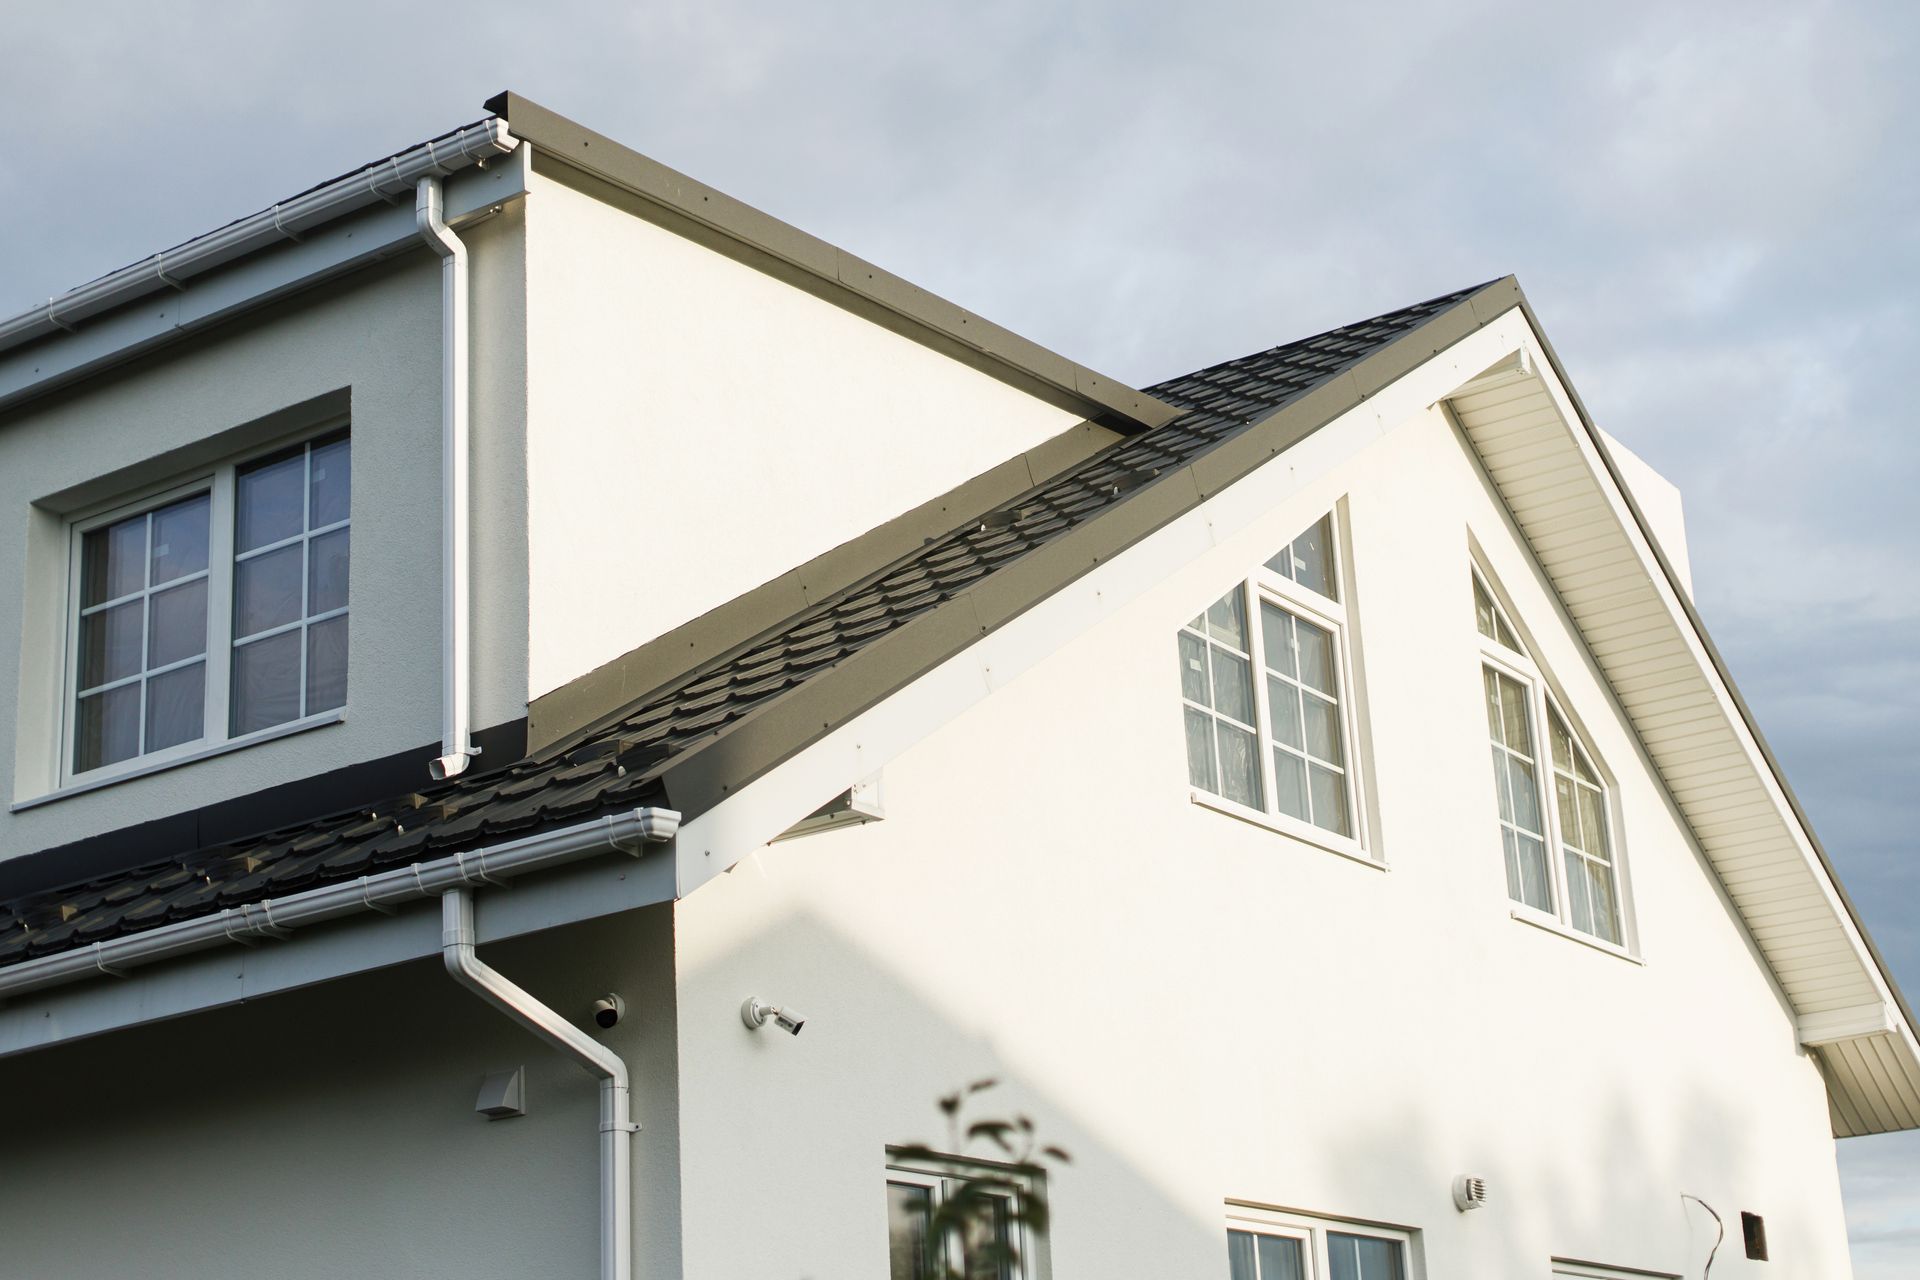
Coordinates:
[1547,924]
[202,753]
[1302,832]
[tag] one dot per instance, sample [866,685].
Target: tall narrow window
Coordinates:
[1266,693]
[992,1239]
[142,671]
[1580,888]
[210,613]
[290,556]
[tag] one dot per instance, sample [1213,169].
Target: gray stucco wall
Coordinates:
[372,339]
[330,1132]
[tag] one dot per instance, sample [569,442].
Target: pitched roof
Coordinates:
[711,729]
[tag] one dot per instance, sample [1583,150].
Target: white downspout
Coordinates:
[616,1124]
[456,739]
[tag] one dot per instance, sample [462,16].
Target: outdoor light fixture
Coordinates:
[757,1014]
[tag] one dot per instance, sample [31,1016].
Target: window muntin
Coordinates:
[1282,742]
[291,551]
[1275,1247]
[995,1244]
[1581,887]
[179,604]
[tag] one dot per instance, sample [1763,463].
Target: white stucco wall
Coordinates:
[1201,1009]
[374,336]
[690,417]
[331,1132]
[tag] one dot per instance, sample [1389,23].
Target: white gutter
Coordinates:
[616,1122]
[388,181]
[277,917]
[456,739]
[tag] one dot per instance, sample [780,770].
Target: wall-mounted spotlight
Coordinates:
[757,1014]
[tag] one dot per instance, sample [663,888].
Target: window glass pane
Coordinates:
[266,682]
[1283,702]
[1193,669]
[176,706]
[1276,637]
[907,1210]
[1354,1257]
[327,665]
[1323,729]
[1513,711]
[1290,783]
[108,728]
[1483,613]
[111,643]
[1240,1264]
[987,1241]
[1200,766]
[1227,619]
[179,623]
[327,574]
[332,481]
[267,590]
[1232,686]
[180,539]
[1239,765]
[1606,910]
[1526,795]
[1503,784]
[1593,823]
[1316,656]
[1532,859]
[1329,793]
[270,501]
[1579,909]
[1494,718]
[113,561]
[1281,1258]
[1313,558]
[1569,811]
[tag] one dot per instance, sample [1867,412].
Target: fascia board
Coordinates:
[748,816]
[323,252]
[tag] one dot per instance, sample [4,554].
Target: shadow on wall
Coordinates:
[797,1128]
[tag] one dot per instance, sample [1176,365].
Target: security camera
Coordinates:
[608,1010]
[757,1014]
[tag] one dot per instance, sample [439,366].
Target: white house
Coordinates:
[513,609]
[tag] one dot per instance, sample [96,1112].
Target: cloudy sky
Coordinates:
[1715,208]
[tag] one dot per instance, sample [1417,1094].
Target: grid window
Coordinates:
[217,611]
[142,647]
[1580,888]
[1276,1247]
[1264,683]
[291,551]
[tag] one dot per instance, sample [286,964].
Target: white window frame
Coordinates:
[218,482]
[1268,586]
[1311,1229]
[1543,701]
[942,1174]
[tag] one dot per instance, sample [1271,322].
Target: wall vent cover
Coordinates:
[1469,1193]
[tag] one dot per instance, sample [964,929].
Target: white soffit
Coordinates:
[1549,467]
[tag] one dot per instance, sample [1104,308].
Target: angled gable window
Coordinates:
[1551,800]
[209,614]
[1264,678]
